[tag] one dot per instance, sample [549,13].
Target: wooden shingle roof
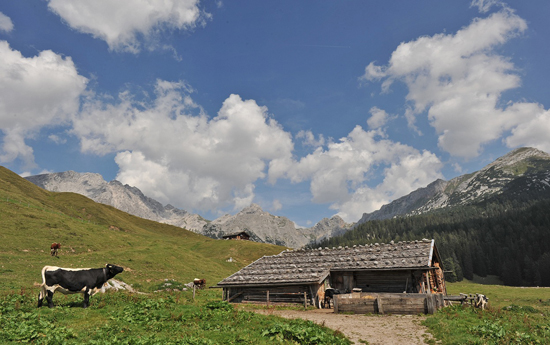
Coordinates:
[313,266]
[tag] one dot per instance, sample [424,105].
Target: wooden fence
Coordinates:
[388,303]
[302,295]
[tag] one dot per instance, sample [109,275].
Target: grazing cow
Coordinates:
[199,283]
[87,281]
[329,295]
[481,301]
[54,248]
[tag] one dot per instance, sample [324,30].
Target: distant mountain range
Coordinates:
[260,225]
[524,172]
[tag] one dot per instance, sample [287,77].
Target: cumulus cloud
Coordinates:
[378,118]
[173,152]
[342,173]
[404,175]
[35,92]
[532,133]
[5,23]
[122,23]
[458,79]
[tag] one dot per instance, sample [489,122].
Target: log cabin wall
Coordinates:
[395,281]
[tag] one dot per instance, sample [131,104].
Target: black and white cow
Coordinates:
[480,301]
[87,281]
[329,296]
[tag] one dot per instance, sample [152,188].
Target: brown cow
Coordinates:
[199,283]
[54,248]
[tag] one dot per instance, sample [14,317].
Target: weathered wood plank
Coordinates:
[430,303]
[379,305]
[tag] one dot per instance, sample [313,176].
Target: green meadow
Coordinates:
[515,315]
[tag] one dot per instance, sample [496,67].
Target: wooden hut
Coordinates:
[301,276]
[241,235]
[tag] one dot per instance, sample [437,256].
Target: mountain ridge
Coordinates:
[515,172]
[495,178]
[261,226]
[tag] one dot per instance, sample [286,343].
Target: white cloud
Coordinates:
[308,139]
[122,23]
[485,5]
[341,174]
[373,72]
[172,151]
[459,79]
[378,118]
[411,120]
[404,175]
[5,23]
[276,205]
[57,139]
[35,92]
[532,133]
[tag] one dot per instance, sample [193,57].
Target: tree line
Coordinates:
[506,237]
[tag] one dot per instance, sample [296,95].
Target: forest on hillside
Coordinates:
[506,237]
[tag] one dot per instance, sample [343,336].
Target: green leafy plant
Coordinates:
[303,332]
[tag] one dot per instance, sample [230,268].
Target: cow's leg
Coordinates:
[49,298]
[86,298]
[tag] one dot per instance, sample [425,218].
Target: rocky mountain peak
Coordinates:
[123,197]
[517,156]
[252,209]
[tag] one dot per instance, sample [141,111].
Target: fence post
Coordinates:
[379,305]
[268,298]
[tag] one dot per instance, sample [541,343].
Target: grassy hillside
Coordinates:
[93,234]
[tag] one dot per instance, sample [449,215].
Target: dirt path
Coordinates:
[374,329]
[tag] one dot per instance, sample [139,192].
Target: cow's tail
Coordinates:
[42,293]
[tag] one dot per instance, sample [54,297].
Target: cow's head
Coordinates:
[113,270]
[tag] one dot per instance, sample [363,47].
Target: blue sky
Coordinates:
[307,108]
